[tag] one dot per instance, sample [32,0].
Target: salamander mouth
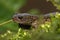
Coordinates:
[25,26]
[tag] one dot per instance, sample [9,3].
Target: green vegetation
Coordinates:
[10,30]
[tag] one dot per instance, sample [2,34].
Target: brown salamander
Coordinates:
[26,20]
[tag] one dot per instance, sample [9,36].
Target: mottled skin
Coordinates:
[25,19]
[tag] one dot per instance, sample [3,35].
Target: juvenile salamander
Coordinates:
[26,20]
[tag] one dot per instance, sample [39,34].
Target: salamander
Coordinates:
[26,20]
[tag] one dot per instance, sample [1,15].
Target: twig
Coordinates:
[5,22]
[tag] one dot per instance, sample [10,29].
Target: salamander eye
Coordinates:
[20,17]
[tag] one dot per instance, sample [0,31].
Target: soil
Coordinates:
[42,5]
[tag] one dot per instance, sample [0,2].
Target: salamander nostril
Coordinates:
[20,17]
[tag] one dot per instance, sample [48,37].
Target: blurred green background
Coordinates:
[7,10]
